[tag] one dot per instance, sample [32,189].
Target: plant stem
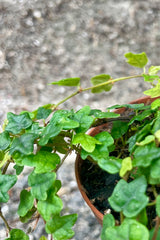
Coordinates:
[121,217]
[156,228]
[154,191]
[6,167]
[5,221]
[63,159]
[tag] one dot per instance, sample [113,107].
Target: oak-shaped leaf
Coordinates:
[26,203]
[70,82]
[87,142]
[17,234]
[6,182]
[101,79]
[4,140]
[16,123]
[23,144]
[153,92]
[43,161]
[130,229]
[61,227]
[129,197]
[137,60]
[40,183]
[43,113]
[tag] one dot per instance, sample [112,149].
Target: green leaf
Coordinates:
[17,234]
[142,217]
[153,70]
[6,182]
[130,229]
[87,142]
[101,79]
[70,82]
[100,115]
[119,129]
[83,118]
[155,104]
[60,145]
[40,184]
[108,221]
[140,117]
[158,205]
[139,106]
[60,227]
[26,203]
[126,166]
[150,78]
[50,131]
[51,206]
[16,123]
[18,169]
[157,135]
[43,238]
[144,155]
[43,113]
[43,161]
[4,140]
[153,92]
[154,177]
[28,216]
[148,139]
[137,60]
[111,165]
[129,197]
[23,144]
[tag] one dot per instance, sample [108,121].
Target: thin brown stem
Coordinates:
[63,159]
[6,167]
[156,229]
[5,221]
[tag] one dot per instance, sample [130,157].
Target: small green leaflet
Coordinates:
[154,177]
[130,229]
[137,60]
[87,142]
[23,144]
[17,234]
[129,197]
[43,238]
[126,166]
[26,203]
[153,70]
[119,128]
[100,79]
[18,169]
[139,106]
[148,139]
[108,222]
[6,182]
[70,82]
[153,92]
[4,140]
[157,135]
[150,78]
[60,227]
[16,123]
[51,206]
[43,113]
[50,131]
[43,161]
[40,184]
[155,104]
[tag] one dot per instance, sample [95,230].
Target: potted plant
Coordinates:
[128,151]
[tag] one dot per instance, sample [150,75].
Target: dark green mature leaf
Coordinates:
[87,142]
[130,229]
[137,60]
[40,184]
[129,197]
[83,118]
[28,216]
[156,126]
[144,155]
[139,106]
[60,227]
[111,164]
[6,182]
[101,79]
[153,92]
[100,115]
[43,113]
[119,128]
[154,177]
[4,140]
[16,123]
[70,82]
[51,206]
[26,203]
[17,234]
[23,144]
[141,116]
[60,145]
[108,221]
[18,169]
[43,161]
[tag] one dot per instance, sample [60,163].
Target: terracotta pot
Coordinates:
[79,161]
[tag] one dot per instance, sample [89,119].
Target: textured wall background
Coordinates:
[44,40]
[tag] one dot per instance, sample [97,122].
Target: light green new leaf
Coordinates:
[16,123]
[155,104]
[87,142]
[6,182]
[101,79]
[4,140]
[130,229]
[129,197]
[23,144]
[157,135]
[17,234]
[70,82]
[148,139]
[150,78]
[137,60]
[126,166]
[153,92]
[43,161]
[40,184]
[60,227]
[153,70]
[26,203]
[43,238]
[51,206]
